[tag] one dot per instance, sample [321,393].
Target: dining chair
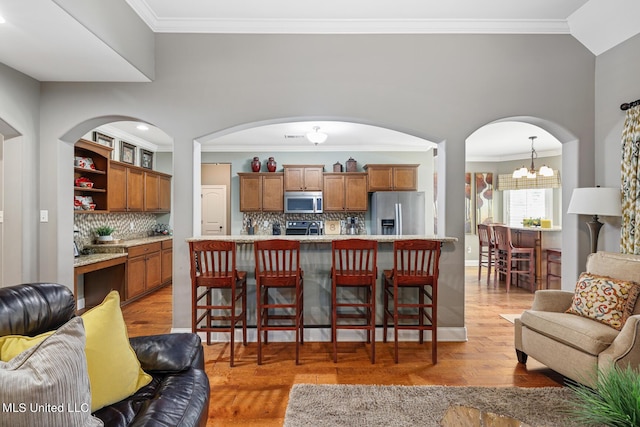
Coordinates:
[279,291]
[216,288]
[412,289]
[511,259]
[353,289]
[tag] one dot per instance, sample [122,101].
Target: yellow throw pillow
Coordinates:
[114,369]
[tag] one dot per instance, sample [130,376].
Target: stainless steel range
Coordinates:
[304,228]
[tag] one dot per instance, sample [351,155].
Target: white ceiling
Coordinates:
[44,41]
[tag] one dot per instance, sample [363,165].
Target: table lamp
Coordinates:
[595,201]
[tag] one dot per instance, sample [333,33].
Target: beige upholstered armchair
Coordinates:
[577,346]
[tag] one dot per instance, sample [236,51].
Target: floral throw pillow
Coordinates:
[604,299]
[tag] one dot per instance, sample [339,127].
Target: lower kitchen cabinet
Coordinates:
[167,261]
[144,269]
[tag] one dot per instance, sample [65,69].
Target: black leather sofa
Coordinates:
[178,395]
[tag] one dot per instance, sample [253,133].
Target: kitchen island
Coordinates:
[315,259]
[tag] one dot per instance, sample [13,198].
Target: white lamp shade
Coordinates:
[545,171]
[596,201]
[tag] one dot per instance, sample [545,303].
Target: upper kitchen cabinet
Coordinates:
[345,192]
[134,189]
[91,175]
[303,177]
[389,177]
[261,192]
[157,192]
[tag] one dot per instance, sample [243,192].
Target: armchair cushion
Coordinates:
[604,299]
[578,332]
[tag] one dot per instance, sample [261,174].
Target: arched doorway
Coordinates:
[135,148]
[568,144]
[285,139]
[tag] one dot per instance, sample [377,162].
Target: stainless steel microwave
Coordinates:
[303,202]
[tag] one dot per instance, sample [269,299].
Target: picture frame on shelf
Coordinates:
[146,159]
[103,139]
[127,153]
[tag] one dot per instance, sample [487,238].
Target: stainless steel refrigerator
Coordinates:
[398,212]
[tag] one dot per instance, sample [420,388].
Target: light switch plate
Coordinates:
[1,217]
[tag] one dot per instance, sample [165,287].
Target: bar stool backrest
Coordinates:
[277,262]
[416,261]
[213,263]
[502,235]
[354,257]
[485,235]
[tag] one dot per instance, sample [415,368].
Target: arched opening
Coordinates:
[139,163]
[555,146]
[285,140]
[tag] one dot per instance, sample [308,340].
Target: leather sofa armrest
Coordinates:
[167,353]
[552,300]
[625,349]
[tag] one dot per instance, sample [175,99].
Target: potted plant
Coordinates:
[615,401]
[104,233]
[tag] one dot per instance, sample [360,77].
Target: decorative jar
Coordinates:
[255,164]
[271,165]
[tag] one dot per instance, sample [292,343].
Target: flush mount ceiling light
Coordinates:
[317,137]
[531,173]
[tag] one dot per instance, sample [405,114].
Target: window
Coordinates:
[531,203]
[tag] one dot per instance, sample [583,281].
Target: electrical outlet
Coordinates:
[44,216]
[265,224]
[131,226]
[468,249]
[1,217]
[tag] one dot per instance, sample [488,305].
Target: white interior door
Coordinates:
[2,281]
[214,209]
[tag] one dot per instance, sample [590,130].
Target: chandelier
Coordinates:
[317,137]
[531,172]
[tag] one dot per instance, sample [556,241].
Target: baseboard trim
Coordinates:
[445,334]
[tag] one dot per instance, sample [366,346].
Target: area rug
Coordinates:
[511,317]
[398,406]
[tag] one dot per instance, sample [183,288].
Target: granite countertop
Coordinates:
[325,238]
[83,260]
[537,228]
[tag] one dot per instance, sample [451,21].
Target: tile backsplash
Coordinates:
[276,217]
[127,226]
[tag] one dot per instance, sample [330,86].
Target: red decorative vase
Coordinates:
[255,164]
[271,165]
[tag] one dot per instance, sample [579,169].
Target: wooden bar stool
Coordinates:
[278,269]
[485,250]
[353,270]
[415,267]
[510,259]
[554,257]
[213,268]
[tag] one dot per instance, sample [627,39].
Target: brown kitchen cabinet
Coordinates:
[98,175]
[157,192]
[303,177]
[144,269]
[134,189]
[390,177]
[261,192]
[345,192]
[167,261]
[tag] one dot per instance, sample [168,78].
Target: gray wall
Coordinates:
[19,108]
[616,82]
[440,87]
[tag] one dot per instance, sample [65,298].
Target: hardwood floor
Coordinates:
[252,395]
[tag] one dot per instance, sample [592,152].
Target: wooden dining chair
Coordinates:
[219,291]
[485,250]
[512,260]
[415,271]
[353,289]
[279,291]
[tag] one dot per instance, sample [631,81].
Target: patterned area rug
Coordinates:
[398,406]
